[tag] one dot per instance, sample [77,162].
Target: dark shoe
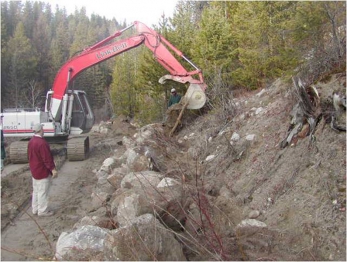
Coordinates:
[46,214]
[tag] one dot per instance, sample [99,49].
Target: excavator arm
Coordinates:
[101,51]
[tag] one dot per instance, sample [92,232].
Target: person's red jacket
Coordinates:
[41,161]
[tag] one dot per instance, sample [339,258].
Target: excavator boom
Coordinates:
[102,51]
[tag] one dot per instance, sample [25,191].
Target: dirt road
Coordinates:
[34,238]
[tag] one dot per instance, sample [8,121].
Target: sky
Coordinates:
[146,11]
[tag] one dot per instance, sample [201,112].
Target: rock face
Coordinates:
[144,239]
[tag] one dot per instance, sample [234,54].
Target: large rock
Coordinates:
[108,164]
[149,144]
[249,227]
[128,209]
[99,199]
[254,238]
[87,221]
[166,201]
[116,177]
[140,163]
[86,243]
[136,161]
[145,179]
[145,239]
[148,134]
[103,185]
[104,222]
[131,203]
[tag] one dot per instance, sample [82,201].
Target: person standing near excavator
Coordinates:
[42,168]
[174,98]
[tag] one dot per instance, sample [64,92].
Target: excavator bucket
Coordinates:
[195,96]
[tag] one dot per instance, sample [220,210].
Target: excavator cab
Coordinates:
[77,115]
[82,116]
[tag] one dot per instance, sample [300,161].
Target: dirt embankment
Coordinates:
[299,191]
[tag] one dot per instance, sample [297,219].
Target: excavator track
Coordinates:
[19,152]
[77,148]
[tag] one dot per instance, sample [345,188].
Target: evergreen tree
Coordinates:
[59,50]
[22,67]
[12,16]
[152,96]
[312,31]
[41,42]
[214,47]
[4,61]
[260,31]
[123,92]
[28,18]
[80,35]
[185,26]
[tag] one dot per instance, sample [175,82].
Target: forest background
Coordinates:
[238,45]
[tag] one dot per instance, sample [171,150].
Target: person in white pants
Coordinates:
[39,201]
[42,168]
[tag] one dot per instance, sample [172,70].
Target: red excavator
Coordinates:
[67,112]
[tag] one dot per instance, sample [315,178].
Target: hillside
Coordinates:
[298,191]
[239,193]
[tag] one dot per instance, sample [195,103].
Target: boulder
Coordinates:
[103,185]
[108,165]
[99,200]
[145,239]
[115,180]
[85,243]
[148,134]
[145,179]
[128,209]
[235,137]
[165,201]
[254,238]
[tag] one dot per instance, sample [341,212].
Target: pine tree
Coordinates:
[41,42]
[59,50]
[152,96]
[123,90]
[214,46]
[80,33]
[264,48]
[22,63]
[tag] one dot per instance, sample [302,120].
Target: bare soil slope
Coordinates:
[299,191]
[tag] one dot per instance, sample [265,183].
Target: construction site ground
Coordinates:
[28,237]
[299,191]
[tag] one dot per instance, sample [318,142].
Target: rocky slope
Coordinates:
[227,188]
[224,187]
